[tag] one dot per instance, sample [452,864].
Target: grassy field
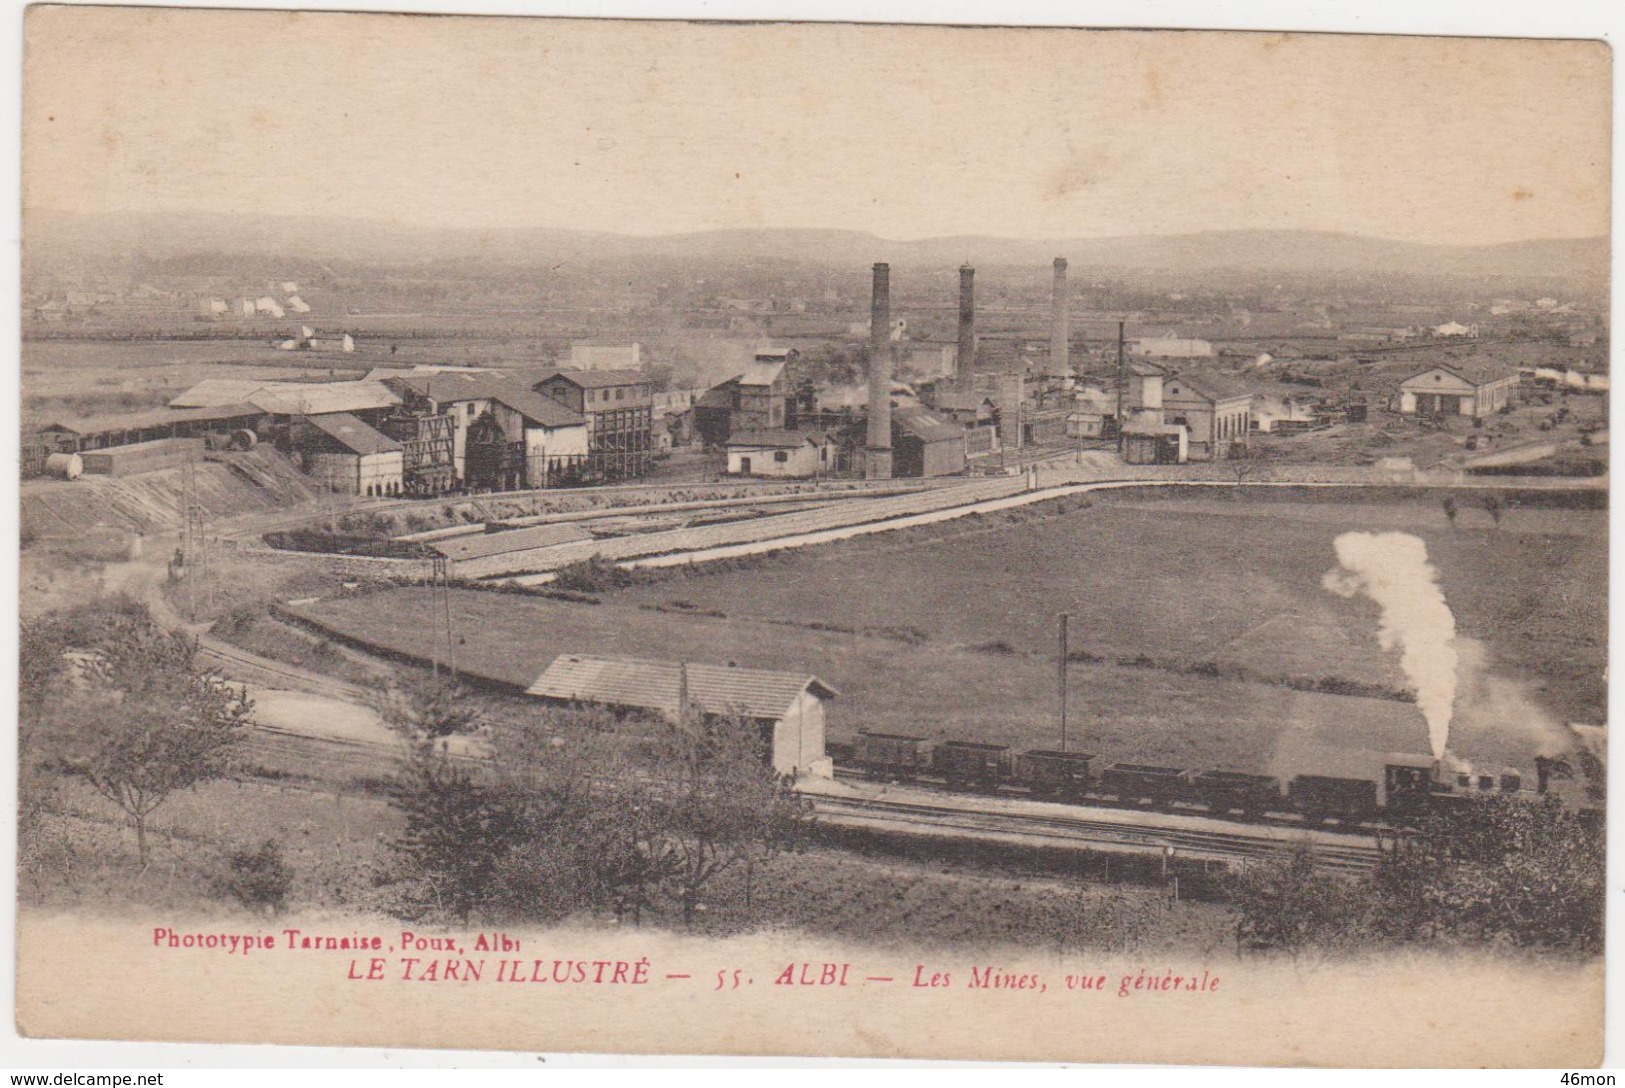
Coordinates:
[1203,620]
[335,838]
[1221,580]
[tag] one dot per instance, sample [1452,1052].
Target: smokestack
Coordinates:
[878,465]
[965,370]
[1059,352]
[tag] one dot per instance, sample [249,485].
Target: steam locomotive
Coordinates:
[1409,787]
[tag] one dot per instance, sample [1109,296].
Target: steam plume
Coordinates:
[1393,570]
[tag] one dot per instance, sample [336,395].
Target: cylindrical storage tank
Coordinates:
[66,466]
[244,438]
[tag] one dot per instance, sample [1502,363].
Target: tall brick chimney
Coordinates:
[1060,361]
[877,465]
[965,368]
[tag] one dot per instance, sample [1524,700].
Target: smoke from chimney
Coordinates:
[878,463]
[1059,350]
[1393,570]
[965,365]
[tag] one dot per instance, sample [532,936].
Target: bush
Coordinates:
[259,879]
[594,575]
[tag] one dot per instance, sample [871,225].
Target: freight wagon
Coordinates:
[1408,788]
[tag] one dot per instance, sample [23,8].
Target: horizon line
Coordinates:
[401,224]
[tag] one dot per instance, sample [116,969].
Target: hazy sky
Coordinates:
[907,132]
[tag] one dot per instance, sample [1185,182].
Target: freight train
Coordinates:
[1408,788]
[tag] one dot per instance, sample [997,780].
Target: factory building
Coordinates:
[1473,390]
[762,398]
[103,432]
[344,454]
[619,409]
[799,453]
[1147,442]
[762,388]
[976,413]
[786,709]
[926,445]
[1214,409]
[502,434]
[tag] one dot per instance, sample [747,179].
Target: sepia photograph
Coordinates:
[813,539]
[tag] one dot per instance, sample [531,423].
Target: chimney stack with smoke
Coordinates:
[878,463]
[965,369]
[1059,352]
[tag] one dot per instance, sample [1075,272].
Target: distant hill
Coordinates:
[53,239]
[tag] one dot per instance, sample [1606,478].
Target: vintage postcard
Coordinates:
[832,540]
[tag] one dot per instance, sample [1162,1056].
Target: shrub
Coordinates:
[260,879]
[594,575]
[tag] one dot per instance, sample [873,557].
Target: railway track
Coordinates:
[1083,831]
[252,667]
[303,753]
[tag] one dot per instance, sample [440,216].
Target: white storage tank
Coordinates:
[65,466]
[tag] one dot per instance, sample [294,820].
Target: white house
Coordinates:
[797,453]
[1455,328]
[1473,390]
[787,709]
[1171,347]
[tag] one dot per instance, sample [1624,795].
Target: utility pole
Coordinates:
[442,590]
[1061,669]
[682,694]
[1122,382]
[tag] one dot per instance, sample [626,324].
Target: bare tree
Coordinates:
[1249,463]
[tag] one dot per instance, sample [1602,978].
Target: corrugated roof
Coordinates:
[720,397]
[1478,373]
[156,417]
[213,392]
[1213,386]
[925,426]
[449,387]
[779,439]
[352,434]
[761,373]
[1145,427]
[656,685]
[596,379]
[539,408]
[416,370]
[323,399]
[480,545]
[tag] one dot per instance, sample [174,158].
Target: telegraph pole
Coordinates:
[1122,382]
[441,582]
[1061,670]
